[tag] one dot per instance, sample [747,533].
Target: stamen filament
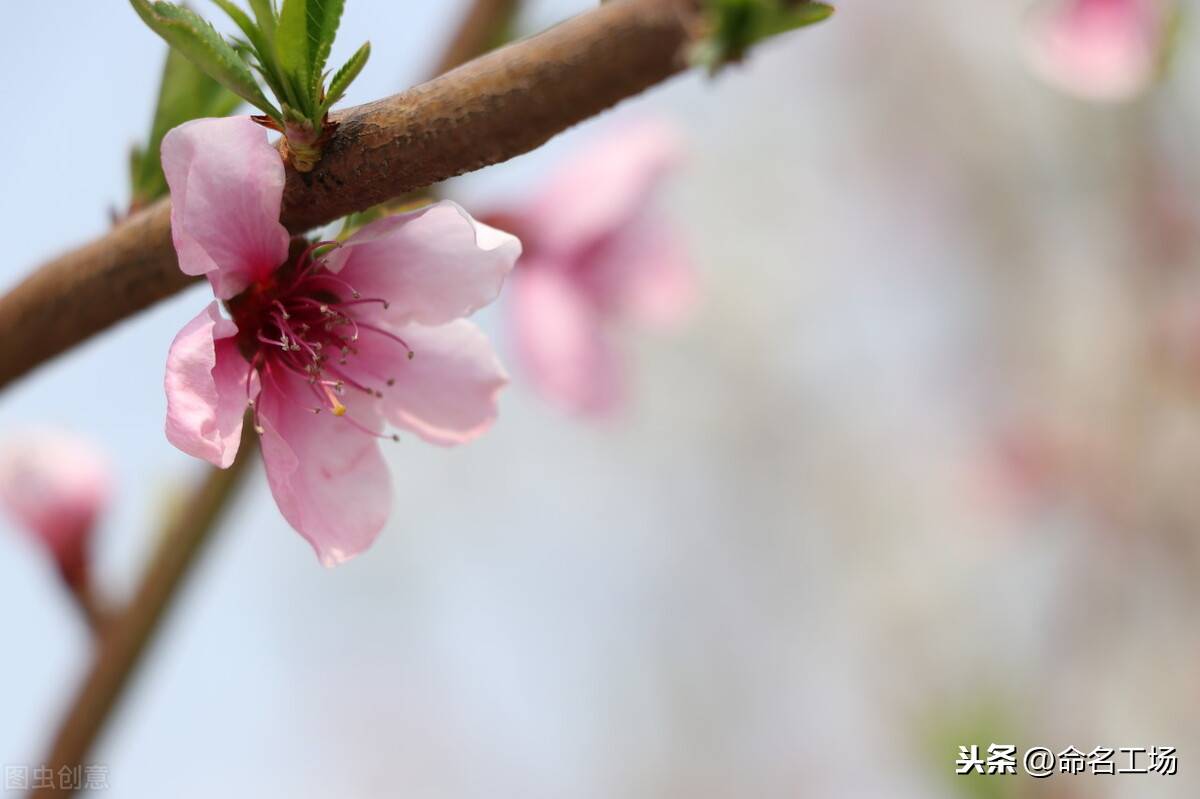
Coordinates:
[390,335]
[335,404]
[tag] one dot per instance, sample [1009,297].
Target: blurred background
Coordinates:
[918,473]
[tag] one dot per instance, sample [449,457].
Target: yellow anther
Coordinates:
[335,405]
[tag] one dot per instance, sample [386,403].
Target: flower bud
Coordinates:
[55,486]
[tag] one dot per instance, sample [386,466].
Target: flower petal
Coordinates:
[603,187]
[642,270]
[1098,49]
[206,388]
[226,190]
[56,486]
[561,342]
[432,266]
[447,393]
[328,476]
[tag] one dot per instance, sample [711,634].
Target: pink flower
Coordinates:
[596,254]
[1099,49]
[326,348]
[55,486]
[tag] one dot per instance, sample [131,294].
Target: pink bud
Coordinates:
[1099,49]
[55,485]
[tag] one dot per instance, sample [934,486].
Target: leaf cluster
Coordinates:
[285,44]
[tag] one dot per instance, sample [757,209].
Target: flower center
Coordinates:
[307,322]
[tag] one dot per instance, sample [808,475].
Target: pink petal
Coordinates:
[55,485]
[642,271]
[561,342]
[226,190]
[602,188]
[327,475]
[206,388]
[447,393]
[1098,49]
[432,265]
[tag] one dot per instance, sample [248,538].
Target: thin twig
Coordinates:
[127,635]
[488,110]
[92,607]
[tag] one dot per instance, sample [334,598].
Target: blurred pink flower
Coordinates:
[322,346]
[596,254]
[1025,464]
[1098,49]
[55,486]
[1031,462]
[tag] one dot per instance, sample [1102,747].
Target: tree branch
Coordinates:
[92,607]
[126,637]
[501,105]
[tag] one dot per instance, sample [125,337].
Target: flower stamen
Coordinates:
[335,405]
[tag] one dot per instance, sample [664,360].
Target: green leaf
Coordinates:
[324,16]
[258,45]
[291,48]
[781,19]
[345,76]
[297,93]
[184,30]
[305,37]
[253,35]
[266,16]
[185,93]
[739,24]
[269,78]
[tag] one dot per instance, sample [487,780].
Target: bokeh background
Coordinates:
[920,472]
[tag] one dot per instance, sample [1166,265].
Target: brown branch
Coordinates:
[477,33]
[127,635]
[92,607]
[489,110]
[85,291]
